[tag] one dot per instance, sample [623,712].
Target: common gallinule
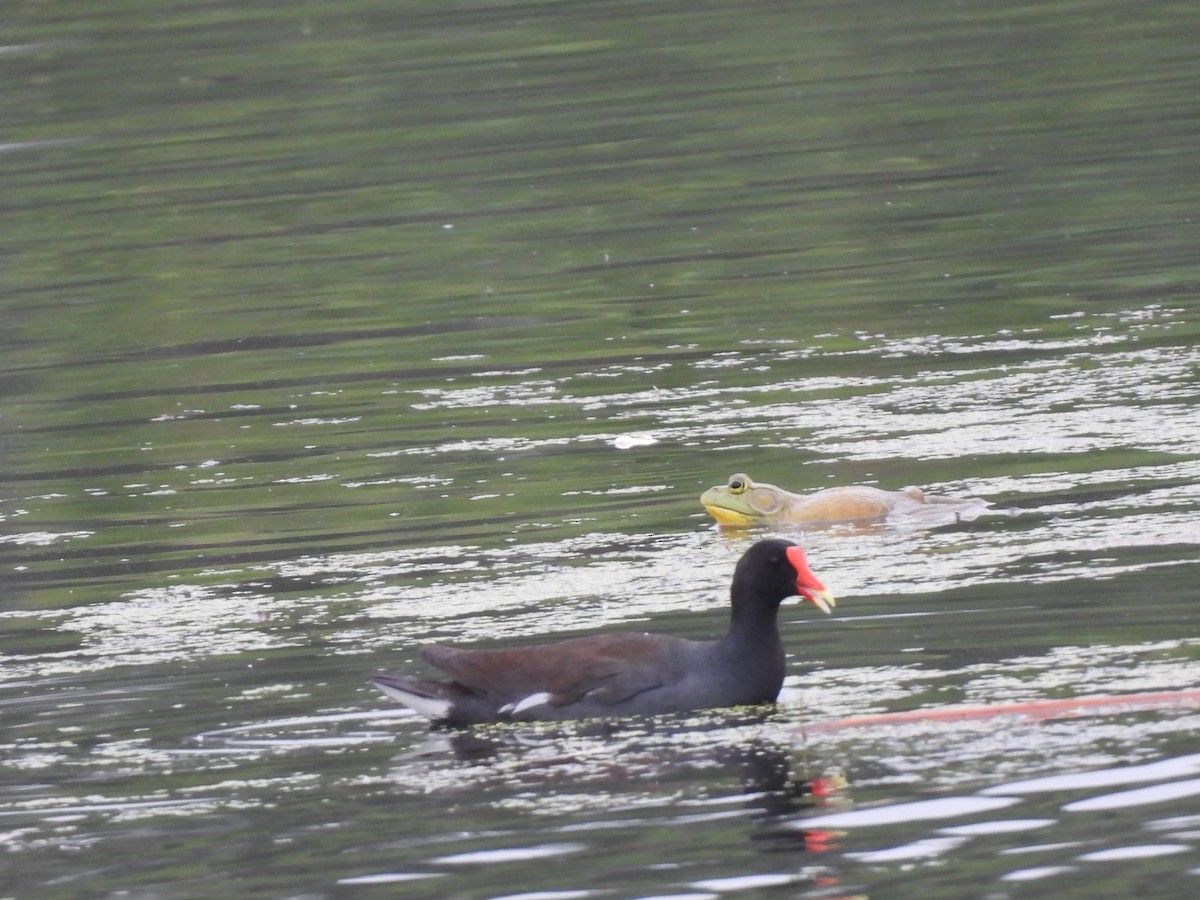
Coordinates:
[626,673]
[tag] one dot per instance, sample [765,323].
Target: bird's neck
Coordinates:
[753,623]
[754,650]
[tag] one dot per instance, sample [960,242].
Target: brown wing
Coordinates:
[609,667]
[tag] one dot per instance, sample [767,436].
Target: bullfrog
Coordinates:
[744,502]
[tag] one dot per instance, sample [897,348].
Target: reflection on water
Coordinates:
[1006,800]
[333,331]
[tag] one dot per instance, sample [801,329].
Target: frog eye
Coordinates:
[739,484]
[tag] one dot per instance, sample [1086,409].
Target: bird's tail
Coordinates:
[429,698]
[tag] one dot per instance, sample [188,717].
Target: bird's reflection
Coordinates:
[729,746]
[721,766]
[776,793]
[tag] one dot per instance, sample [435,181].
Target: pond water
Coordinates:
[324,327]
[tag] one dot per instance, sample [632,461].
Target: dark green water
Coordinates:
[320,324]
